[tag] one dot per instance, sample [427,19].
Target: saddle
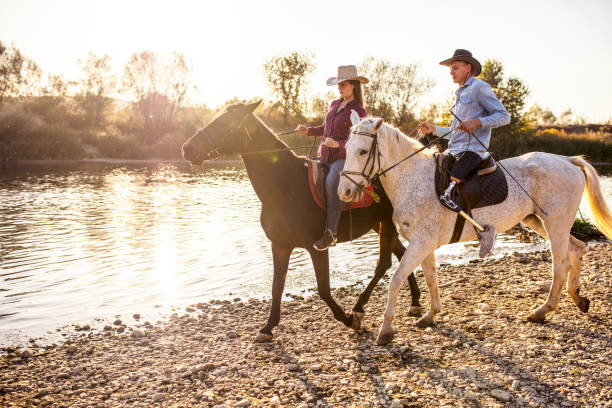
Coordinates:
[485,186]
[317,172]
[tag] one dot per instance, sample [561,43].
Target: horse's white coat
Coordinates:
[555,182]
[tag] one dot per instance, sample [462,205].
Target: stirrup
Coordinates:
[327,240]
[448,203]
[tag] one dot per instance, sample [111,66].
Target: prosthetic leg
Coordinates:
[486,234]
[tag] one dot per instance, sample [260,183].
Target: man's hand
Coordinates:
[426,128]
[468,126]
[302,129]
[329,142]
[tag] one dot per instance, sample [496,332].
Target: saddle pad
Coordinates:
[480,191]
[317,172]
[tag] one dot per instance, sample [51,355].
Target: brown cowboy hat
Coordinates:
[465,56]
[347,73]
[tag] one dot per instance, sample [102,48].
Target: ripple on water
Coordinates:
[85,240]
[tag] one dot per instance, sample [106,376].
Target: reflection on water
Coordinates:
[85,240]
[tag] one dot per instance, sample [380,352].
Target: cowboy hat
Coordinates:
[465,56]
[347,73]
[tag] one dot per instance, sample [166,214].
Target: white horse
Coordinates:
[555,182]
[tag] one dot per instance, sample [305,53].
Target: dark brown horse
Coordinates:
[289,215]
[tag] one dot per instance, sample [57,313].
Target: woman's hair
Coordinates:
[357,93]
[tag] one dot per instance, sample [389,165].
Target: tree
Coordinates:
[540,116]
[512,93]
[393,91]
[566,116]
[18,73]
[97,84]
[160,87]
[287,78]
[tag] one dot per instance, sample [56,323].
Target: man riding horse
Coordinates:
[477,110]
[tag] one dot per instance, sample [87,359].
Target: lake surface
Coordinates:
[80,241]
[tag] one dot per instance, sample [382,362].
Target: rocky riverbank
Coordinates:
[482,352]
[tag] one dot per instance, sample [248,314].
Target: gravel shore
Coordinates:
[482,352]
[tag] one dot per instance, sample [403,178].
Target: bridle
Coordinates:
[213,153]
[373,155]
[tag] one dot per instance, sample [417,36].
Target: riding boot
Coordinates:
[445,198]
[327,240]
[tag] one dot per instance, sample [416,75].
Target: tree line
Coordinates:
[51,117]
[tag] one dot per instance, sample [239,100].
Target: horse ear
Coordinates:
[378,124]
[354,117]
[252,106]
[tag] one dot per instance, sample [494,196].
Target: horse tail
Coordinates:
[597,203]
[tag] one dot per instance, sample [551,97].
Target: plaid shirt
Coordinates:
[337,126]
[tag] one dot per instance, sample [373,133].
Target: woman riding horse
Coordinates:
[335,131]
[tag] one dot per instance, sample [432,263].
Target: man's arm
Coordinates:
[498,116]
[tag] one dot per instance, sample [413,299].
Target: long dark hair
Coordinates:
[357,93]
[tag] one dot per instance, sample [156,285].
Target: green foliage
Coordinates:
[512,93]
[287,77]
[98,83]
[160,87]
[18,73]
[393,91]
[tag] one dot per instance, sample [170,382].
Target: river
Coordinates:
[86,242]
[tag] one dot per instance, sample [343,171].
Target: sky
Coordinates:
[562,50]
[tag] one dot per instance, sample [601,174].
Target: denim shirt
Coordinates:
[474,100]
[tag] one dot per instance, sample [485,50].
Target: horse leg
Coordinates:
[415,293]
[576,251]
[280,257]
[386,237]
[320,261]
[429,271]
[558,234]
[410,260]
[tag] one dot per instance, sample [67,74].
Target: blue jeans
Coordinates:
[334,204]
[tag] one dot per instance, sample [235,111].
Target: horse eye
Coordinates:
[362,152]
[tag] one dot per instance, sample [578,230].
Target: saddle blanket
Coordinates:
[317,172]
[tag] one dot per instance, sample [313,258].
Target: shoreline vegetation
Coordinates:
[147,111]
[482,352]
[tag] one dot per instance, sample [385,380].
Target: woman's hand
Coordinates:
[329,142]
[302,129]
[426,128]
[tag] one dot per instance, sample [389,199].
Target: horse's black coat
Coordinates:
[289,215]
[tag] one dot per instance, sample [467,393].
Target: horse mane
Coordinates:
[401,144]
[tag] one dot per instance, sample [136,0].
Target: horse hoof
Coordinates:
[424,322]
[584,304]
[534,318]
[415,311]
[385,338]
[263,338]
[355,323]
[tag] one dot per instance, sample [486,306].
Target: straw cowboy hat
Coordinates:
[347,73]
[465,56]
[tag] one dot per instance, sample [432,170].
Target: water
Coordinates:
[80,241]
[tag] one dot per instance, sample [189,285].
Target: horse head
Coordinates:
[362,157]
[225,133]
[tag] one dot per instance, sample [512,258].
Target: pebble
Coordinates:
[117,322]
[138,333]
[242,404]
[396,404]
[27,354]
[503,396]
[314,361]
[136,316]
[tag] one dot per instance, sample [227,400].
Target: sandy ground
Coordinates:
[482,352]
